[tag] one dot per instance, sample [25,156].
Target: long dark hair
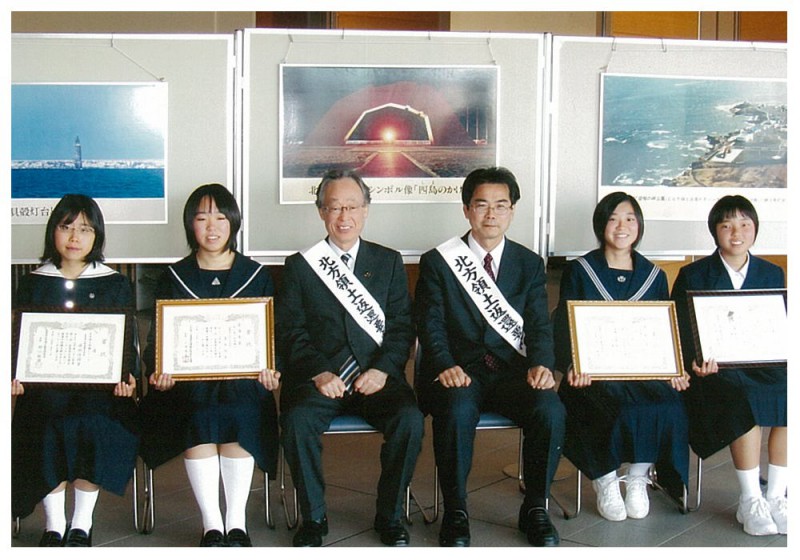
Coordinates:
[67,211]
[226,204]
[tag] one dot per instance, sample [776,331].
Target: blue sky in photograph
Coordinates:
[113,121]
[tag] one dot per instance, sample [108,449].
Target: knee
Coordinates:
[411,422]
[549,413]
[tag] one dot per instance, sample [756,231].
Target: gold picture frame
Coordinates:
[214,339]
[625,340]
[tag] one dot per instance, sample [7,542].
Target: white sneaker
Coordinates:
[754,514]
[778,507]
[609,500]
[637,503]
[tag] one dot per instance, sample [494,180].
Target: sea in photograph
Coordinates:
[654,129]
[94,182]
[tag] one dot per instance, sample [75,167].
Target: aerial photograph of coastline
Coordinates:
[693,132]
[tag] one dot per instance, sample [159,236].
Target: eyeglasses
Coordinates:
[339,210]
[501,209]
[82,230]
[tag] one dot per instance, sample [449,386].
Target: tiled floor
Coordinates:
[351,469]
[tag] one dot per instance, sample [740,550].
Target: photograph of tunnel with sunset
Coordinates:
[388,121]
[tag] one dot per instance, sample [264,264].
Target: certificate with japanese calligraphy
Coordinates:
[70,347]
[624,340]
[214,338]
[740,328]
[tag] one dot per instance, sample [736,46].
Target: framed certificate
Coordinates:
[64,347]
[624,340]
[205,339]
[740,328]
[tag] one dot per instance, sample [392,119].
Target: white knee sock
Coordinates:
[204,477]
[749,485]
[84,508]
[55,517]
[237,473]
[777,481]
[639,469]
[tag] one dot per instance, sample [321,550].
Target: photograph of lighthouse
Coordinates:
[107,141]
[412,132]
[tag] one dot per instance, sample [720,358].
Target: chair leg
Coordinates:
[135,491]
[148,508]
[292,518]
[681,500]
[267,506]
[578,498]
[698,488]
[435,515]
[16,527]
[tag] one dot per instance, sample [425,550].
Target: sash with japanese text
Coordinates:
[484,293]
[350,292]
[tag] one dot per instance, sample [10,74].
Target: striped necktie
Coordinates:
[349,370]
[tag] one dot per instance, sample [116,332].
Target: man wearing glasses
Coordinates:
[487,345]
[344,335]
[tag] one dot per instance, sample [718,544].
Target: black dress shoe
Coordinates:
[51,538]
[213,538]
[238,537]
[311,533]
[455,529]
[535,523]
[392,533]
[78,537]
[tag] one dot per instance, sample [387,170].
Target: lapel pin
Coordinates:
[368,274]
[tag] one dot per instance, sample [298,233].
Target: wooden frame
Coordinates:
[211,339]
[53,346]
[740,328]
[624,340]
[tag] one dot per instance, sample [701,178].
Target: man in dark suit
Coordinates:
[344,335]
[488,345]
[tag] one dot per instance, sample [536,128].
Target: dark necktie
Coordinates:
[490,359]
[487,265]
[346,259]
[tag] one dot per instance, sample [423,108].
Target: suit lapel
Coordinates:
[720,280]
[365,265]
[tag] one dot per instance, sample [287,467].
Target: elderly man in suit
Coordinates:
[344,335]
[487,344]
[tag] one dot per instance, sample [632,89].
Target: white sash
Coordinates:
[350,292]
[484,293]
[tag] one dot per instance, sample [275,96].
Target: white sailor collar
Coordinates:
[94,270]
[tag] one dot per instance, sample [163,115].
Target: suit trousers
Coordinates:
[456,412]
[306,415]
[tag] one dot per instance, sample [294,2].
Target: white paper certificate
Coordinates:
[224,338]
[625,340]
[71,347]
[742,327]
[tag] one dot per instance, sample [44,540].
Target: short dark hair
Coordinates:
[727,207]
[606,207]
[335,175]
[67,211]
[226,204]
[481,176]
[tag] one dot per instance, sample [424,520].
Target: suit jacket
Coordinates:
[452,330]
[710,274]
[316,334]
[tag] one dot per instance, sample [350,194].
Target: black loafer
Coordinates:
[311,533]
[392,533]
[535,523]
[78,537]
[238,537]
[455,529]
[213,538]
[51,538]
